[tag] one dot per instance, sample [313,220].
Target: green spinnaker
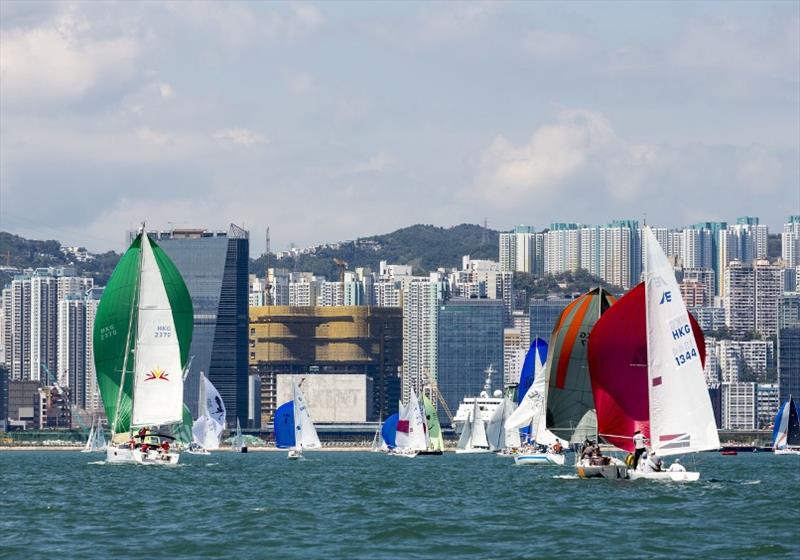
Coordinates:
[434,428]
[115,328]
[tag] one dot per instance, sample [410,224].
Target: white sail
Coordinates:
[411,417]
[465,441]
[212,401]
[783,428]
[206,432]
[496,430]
[90,440]
[99,437]
[479,431]
[158,375]
[532,411]
[681,417]
[305,433]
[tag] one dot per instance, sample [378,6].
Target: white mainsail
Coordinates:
[411,416]
[90,440]
[305,432]
[99,437]
[158,375]
[681,417]
[474,434]
[498,433]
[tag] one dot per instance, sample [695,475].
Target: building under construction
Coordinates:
[329,342]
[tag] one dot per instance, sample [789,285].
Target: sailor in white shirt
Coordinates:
[639,447]
[676,466]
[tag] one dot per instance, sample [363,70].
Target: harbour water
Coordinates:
[367,505]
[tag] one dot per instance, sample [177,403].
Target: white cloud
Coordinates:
[455,20]
[581,144]
[240,136]
[166,91]
[61,61]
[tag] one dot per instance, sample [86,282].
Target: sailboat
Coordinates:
[96,440]
[210,423]
[473,436]
[500,436]
[786,433]
[141,337]
[543,447]
[433,430]
[293,426]
[646,360]
[410,438]
[238,442]
[388,433]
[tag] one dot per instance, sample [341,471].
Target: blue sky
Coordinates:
[330,120]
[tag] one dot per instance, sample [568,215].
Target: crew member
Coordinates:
[676,466]
[639,447]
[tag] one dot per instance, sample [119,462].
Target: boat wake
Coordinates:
[211,464]
[750,482]
[96,463]
[566,476]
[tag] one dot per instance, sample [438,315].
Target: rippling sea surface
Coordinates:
[367,505]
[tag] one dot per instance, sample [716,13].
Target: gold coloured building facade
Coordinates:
[302,341]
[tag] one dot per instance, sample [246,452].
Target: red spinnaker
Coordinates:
[617,354]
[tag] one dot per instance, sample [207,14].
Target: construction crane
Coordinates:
[342,266]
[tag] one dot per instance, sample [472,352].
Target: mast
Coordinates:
[134,306]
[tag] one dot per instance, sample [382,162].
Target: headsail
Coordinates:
[618,365]
[410,426]
[786,432]
[389,431]
[435,439]
[570,405]
[681,417]
[305,432]
[283,425]
[537,353]
[116,324]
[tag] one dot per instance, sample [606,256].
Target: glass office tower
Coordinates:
[214,265]
[470,339]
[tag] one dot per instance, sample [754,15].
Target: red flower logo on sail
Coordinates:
[157,373]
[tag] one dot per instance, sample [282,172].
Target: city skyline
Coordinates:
[306,117]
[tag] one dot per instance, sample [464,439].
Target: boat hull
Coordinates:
[540,459]
[471,451]
[431,452]
[669,476]
[787,452]
[124,455]
[602,471]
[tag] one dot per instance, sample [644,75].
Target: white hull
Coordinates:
[540,459]
[403,453]
[787,452]
[677,476]
[472,451]
[295,455]
[152,457]
[616,469]
[197,452]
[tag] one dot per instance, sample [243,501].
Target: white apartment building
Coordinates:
[421,299]
[739,406]
[562,248]
[790,242]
